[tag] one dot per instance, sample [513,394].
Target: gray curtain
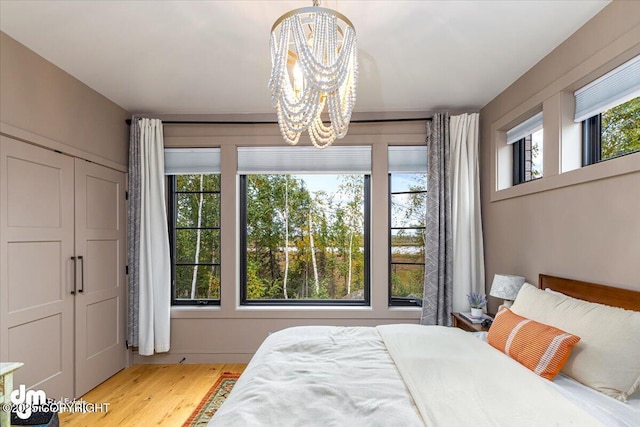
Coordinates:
[438,283]
[133,231]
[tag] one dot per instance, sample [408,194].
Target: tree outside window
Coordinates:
[195,238]
[305,238]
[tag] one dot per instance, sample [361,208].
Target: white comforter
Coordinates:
[457,380]
[320,376]
[337,376]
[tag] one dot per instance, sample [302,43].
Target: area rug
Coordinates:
[212,401]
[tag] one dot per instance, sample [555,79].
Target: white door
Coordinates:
[36,270]
[100,255]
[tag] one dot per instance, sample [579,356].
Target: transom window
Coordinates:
[609,109]
[527,142]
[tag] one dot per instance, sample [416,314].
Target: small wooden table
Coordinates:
[6,386]
[461,322]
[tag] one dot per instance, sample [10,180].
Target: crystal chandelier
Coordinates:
[314,63]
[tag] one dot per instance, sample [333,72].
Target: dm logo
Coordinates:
[25,400]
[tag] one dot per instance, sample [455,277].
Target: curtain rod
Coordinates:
[195,122]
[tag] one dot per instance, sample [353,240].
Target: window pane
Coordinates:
[528,157]
[305,237]
[401,182]
[407,246]
[536,154]
[621,129]
[408,218]
[408,210]
[195,237]
[187,245]
[210,182]
[197,282]
[407,280]
[192,207]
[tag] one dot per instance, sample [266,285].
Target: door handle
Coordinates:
[73,292]
[81,274]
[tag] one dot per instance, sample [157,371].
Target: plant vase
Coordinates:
[476,313]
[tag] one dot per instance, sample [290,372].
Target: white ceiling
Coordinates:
[212,57]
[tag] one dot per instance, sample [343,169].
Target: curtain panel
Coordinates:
[438,293]
[454,252]
[148,241]
[466,217]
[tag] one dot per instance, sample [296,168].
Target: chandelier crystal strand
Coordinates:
[326,55]
[321,136]
[341,105]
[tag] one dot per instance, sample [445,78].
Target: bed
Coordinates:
[411,375]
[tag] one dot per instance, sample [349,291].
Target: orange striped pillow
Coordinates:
[541,348]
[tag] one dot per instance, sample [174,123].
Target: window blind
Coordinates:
[525,128]
[614,88]
[187,161]
[281,160]
[408,159]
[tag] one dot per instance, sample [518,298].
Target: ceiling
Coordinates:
[212,57]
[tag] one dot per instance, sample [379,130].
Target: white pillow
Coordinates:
[607,358]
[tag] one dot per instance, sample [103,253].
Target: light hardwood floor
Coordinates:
[150,395]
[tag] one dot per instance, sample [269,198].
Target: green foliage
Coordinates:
[274,201]
[255,287]
[408,217]
[536,159]
[404,285]
[197,203]
[621,129]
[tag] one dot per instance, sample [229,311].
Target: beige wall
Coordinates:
[44,105]
[580,223]
[232,333]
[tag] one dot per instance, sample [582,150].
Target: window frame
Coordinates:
[244,301]
[392,300]
[519,161]
[171,219]
[592,140]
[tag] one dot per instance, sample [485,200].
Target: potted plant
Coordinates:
[477,301]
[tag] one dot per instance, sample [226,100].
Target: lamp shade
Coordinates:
[506,286]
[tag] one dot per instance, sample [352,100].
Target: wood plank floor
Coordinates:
[150,395]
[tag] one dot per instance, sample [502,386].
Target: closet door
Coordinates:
[36,270]
[101,257]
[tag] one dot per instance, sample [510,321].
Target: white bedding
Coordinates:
[446,369]
[320,376]
[343,376]
[608,410]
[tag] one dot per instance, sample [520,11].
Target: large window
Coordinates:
[407,215]
[194,225]
[609,109]
[304,226]
[527,142]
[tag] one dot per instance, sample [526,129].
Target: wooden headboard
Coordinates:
[592,292]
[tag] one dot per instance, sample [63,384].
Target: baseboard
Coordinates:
[191,358]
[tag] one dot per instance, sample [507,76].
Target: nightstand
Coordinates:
[460,322]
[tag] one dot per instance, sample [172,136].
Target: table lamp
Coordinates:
[506,286]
